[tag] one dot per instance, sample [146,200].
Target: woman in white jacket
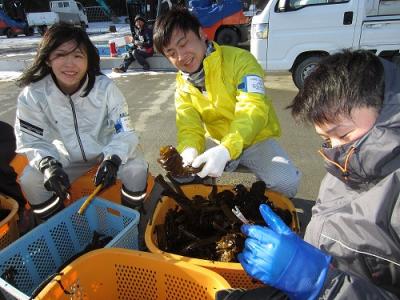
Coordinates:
[71,117]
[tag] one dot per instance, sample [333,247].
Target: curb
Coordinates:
[157,62]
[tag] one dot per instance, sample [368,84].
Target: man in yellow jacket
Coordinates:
[220,94]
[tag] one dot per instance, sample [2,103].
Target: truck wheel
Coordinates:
[303,69]
[227,36]
[9,33]
[42,29]
[29,31]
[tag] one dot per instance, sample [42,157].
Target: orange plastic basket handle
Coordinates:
[4,229]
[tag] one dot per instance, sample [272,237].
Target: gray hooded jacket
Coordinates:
[73,128]
[356,218]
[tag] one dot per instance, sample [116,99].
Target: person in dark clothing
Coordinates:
[351,249]
[141,47]
[8,178]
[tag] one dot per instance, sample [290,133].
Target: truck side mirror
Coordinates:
[282,5]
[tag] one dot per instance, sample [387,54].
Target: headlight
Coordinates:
[259,31]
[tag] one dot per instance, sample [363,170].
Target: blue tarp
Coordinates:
[10,22]
[209,12]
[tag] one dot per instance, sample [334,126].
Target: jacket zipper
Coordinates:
[76,128]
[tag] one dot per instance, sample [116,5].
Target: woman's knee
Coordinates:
[32,186]
[134,174]
[30,177]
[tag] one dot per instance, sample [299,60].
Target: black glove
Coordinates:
[137,43]
[107,171]
[55,178]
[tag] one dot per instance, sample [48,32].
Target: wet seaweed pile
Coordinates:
[206,227]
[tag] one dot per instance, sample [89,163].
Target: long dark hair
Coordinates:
[55,36]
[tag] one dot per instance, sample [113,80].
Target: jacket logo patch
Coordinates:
[30,127]
[252,84]
[123,124]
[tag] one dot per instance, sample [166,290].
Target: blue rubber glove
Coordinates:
[279,258]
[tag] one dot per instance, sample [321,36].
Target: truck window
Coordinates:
[297,4]
[60,5]
[389,7]
[66,4]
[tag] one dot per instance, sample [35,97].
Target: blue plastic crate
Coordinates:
[104,50]
[39,254]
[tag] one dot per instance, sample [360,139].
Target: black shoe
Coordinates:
[146,67]
[118,70]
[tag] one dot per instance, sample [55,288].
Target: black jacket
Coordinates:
[143,39]
[8,177]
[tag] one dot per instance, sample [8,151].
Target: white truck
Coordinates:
[66,11]
[293,35]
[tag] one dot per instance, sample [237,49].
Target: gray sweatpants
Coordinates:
[271,164]
[133,175]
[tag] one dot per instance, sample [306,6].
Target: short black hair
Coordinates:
[339,83]
[176,18]
[55,36]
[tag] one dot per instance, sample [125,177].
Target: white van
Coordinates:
[70,12]
[67,11]
[293,35]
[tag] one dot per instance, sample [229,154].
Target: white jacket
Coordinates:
[72,128]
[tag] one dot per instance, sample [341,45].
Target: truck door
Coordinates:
[304,27]
[380,30]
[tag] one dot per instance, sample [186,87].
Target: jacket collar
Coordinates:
[79,93]
[213,59]
[211,66]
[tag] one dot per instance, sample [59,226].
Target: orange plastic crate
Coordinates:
[232,272]
[128,274]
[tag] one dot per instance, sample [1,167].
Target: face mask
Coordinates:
[342,163]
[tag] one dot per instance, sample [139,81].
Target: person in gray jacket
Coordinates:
[69,118]
[352,243]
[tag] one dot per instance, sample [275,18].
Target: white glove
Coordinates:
[215,159]
[188,155]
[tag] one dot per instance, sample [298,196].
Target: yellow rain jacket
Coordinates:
[230,112]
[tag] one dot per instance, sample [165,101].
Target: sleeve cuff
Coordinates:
[234,144]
